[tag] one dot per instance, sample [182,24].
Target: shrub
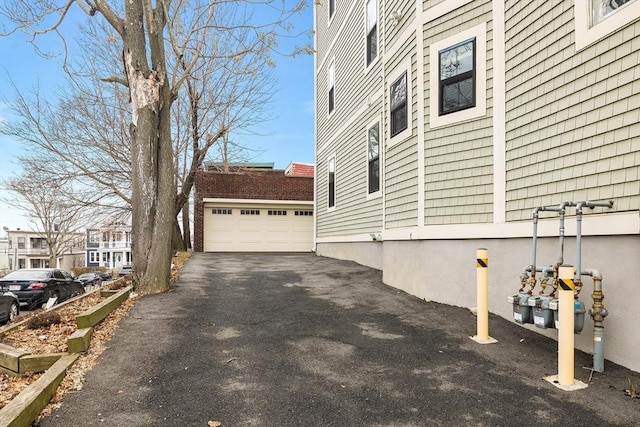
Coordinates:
[44,320]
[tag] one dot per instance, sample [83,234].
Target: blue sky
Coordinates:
[287,137]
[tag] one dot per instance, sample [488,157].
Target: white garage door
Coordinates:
[258,228]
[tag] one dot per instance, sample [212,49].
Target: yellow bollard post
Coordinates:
[565,317]
[566,297]
[482,310]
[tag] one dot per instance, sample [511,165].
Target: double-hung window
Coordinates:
[332,182]
[372,30]
[332,87]
[373,158]
[597,19]
[457,78]
[602,9]
[398,104]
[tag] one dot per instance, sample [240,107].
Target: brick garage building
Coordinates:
[254,208]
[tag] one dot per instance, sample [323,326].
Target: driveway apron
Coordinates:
[300,340]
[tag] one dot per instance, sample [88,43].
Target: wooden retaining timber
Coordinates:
[78,342]
[10,357]
[26,407]
[94,315]
[33,363]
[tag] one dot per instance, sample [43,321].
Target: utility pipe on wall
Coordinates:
[598,312]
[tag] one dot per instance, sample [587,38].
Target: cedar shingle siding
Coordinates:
[554,117]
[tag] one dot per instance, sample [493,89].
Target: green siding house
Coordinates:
[441,125]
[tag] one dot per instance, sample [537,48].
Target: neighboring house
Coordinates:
[29,249]
[109,246]
[441,125]
[5,267]
[253,208]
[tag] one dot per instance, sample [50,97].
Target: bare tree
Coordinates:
[222,94]
[43,198]
[147,31]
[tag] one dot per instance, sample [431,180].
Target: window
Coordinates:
[332,8]
[94,257]
[373,157]
[596,19]
[332,86]
[398,96]
[277,213]
[224,211]
[21,242]
[601,9]
[372,30]
[304,213]
[332,182]
[457,77]
[249,212]
[94,236]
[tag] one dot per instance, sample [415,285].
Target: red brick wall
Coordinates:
[261,185]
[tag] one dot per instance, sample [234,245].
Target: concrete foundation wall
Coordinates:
[365,253]
[445,271]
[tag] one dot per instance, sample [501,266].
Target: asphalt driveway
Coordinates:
[299,340]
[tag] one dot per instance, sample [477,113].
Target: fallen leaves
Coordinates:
[54,340]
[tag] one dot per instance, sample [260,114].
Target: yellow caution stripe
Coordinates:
[483,262]
[567,284]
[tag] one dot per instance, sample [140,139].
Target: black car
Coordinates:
[34,286]
[90,279]
[9,306]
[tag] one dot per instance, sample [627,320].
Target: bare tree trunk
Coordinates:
[225,153]
[186,227]
[153,186]
[178,242]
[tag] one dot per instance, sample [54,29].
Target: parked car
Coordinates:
[125,270]
[90,279]
[9,307]
[34,286]
[105,275]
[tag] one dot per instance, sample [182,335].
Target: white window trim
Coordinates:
[332,67]
[480,34]
[335,182]
[366,35]
[393,76]
[377,194]
[587,35]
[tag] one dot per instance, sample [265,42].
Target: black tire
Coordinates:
[14,310]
